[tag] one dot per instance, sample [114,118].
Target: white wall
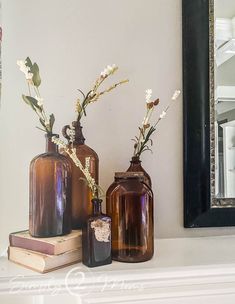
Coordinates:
[72,41]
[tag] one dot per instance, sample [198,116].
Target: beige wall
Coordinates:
[72,40]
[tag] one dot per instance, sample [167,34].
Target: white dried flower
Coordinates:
[110,69]
[163,114]
[87,163]
[25,69]
[40,101]
[47,123]
[72,154]
[59,142]
[148,95]
[71,133]
[176,95]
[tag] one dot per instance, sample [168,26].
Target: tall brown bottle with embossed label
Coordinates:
[96,238]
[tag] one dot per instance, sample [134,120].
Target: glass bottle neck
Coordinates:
[50,146]
[135,160]
[96,206]
[79,138]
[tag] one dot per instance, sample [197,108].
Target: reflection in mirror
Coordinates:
[224,79]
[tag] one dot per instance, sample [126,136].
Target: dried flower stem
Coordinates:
[93,95]
[96,190]
[146,130]
[109,89]
[33,79]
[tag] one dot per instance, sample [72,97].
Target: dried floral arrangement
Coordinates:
[96,190]
[143,141]
[31,72]
[32,75]
[94,94]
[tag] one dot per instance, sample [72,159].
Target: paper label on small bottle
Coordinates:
[102,230]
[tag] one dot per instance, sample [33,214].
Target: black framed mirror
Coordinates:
[208,194]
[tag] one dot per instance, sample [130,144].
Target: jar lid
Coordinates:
[125,175]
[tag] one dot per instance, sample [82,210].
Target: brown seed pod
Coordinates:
[156,102]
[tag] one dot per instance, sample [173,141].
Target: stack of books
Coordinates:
[45,254]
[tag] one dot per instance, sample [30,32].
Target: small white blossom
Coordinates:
[71,133]
[59,142]
[25,69]
[110,69]
[148,95]
[40,101]
[163,114]
[87,163]
[90,180]
[47,123]
[176,95]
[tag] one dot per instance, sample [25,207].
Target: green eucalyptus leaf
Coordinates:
[28,102]
[42,122]
[52,121]
[36,76]
[29,63]
[31,101]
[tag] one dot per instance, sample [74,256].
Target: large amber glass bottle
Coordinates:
[50,193]
[136,166]
[81,194]
[96,237]
[129,203]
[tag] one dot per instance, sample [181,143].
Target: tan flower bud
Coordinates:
[146,126]
[150,105]
[78,106]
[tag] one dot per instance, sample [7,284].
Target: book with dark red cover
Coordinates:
[52,246]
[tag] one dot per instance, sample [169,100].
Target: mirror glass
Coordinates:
[224,96]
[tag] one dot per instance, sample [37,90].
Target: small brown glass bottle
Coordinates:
[129,203]
[136,166]
[81,194]
[96,238]
[50,193]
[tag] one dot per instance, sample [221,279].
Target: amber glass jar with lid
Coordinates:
[81,193]
[129,203]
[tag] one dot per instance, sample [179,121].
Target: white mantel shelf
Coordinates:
[182,269]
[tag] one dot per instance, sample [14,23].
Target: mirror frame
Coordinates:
[201,208]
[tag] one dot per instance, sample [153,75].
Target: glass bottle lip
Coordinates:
[135,159]
[96,200]
[128,175]
[51,135]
